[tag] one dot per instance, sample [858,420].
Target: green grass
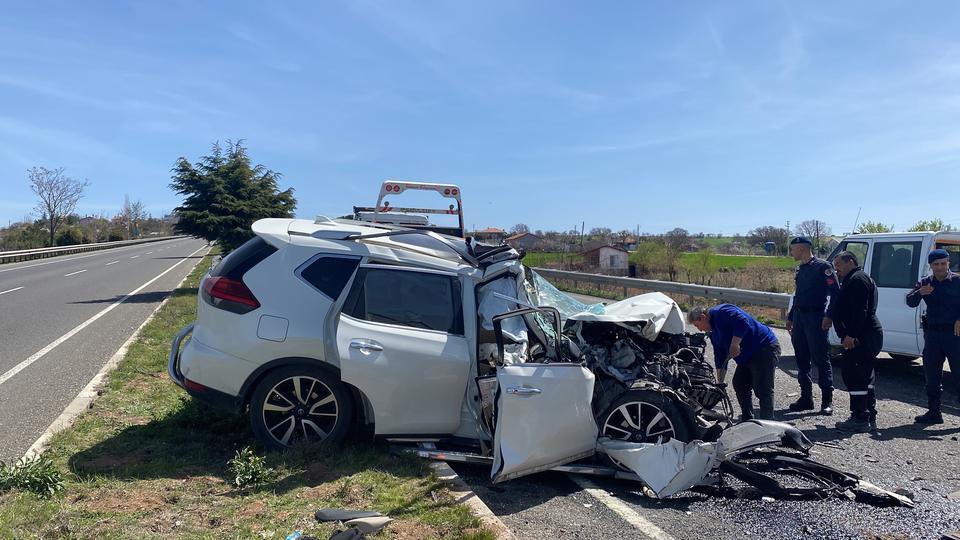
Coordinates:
[739,262]
[146,461]
[536,259]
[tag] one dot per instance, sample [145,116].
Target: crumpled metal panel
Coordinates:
[666,468]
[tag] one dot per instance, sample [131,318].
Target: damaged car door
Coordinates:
[544,415]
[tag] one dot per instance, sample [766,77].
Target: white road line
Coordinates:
[109,263]
[74,273]
[134,257]
[57,259]
[42,352]
[11,290]
[642,524]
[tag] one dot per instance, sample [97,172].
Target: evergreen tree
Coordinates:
[224,195]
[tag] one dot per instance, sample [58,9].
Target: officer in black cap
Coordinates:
[941,328]
[808,322]
[861,336]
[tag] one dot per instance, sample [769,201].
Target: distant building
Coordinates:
[628,243]
[526,241]
[490,235]
[606,257]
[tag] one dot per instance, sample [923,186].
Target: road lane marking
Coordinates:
[42,352]
[11,290]
[109,263]
[642,524]
[134,257]
[75,273]
[57,259]
[148,253]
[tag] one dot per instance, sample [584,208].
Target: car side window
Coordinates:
[895,264]
[407,298]
[329,274]
[954,251]
[857,248]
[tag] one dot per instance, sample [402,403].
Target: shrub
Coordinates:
[249,469]
[37,475]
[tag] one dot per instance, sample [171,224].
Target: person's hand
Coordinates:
[926,290]
[849,342]
[734,350]
[826,323]
[789,327]
[956,328]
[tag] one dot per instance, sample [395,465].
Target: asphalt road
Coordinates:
[923,460]
[51,340]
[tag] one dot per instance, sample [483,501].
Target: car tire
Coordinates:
[300,405]
[643,415]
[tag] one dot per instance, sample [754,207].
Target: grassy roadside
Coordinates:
[148,462]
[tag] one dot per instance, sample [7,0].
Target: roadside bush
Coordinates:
[38,476]
[249,469]
[70,236]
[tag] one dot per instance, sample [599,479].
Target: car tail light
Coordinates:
[229,294]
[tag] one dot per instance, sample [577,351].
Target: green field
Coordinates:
[730,262]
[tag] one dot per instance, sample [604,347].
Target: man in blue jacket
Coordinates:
[735,334]
[941,328]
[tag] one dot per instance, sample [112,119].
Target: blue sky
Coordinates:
[713,116]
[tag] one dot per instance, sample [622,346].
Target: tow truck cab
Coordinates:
[896,262]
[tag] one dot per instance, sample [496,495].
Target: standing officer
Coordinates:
[808,324]
[941,328]
[855,321]
[735,334]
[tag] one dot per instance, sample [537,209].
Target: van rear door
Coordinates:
[895,265]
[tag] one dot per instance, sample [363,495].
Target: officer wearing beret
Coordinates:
[941,328]
[809,321]
[861,335]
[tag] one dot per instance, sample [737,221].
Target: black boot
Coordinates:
[805,403]
[932,416]
[826,403]
[854,425]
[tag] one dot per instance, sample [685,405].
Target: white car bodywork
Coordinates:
[411,382]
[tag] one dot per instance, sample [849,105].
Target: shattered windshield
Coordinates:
[543,293]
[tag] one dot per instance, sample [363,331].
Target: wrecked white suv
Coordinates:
[320,326]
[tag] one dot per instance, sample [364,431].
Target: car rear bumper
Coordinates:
[217,398]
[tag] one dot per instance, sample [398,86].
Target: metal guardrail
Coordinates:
[42,253]
[734,296]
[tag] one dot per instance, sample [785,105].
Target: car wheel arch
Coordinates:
[360,403]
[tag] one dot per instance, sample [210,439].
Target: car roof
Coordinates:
[323,233]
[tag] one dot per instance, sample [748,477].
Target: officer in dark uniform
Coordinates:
[941,328]
[808,324]
[855,321]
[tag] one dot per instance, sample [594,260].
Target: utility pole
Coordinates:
[582,225]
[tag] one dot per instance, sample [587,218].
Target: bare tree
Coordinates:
[133,213]
[519,228]
[58,195]
[815,230]
[677,239]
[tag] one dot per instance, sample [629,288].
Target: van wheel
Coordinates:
[300,405]
[643,416]
[903,357]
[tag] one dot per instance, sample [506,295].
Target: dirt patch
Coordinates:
[255,508]
[323,491]
[319,473]
[124,501]
[404,529]
[354,495]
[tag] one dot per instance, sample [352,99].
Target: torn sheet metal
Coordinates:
[753,434]
[656,310]
[667,468]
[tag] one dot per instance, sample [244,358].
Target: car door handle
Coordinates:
[523,391]
[365,345]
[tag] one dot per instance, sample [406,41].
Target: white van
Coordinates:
[897,261]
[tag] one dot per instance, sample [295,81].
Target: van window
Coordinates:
[329,274]
[954,251]
[895,264]
[857,248]
[407,298]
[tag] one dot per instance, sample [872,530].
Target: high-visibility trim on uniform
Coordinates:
[858,392]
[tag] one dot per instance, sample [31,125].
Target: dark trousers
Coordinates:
[756,375]
[939,346]
[811,348]
[858,376]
